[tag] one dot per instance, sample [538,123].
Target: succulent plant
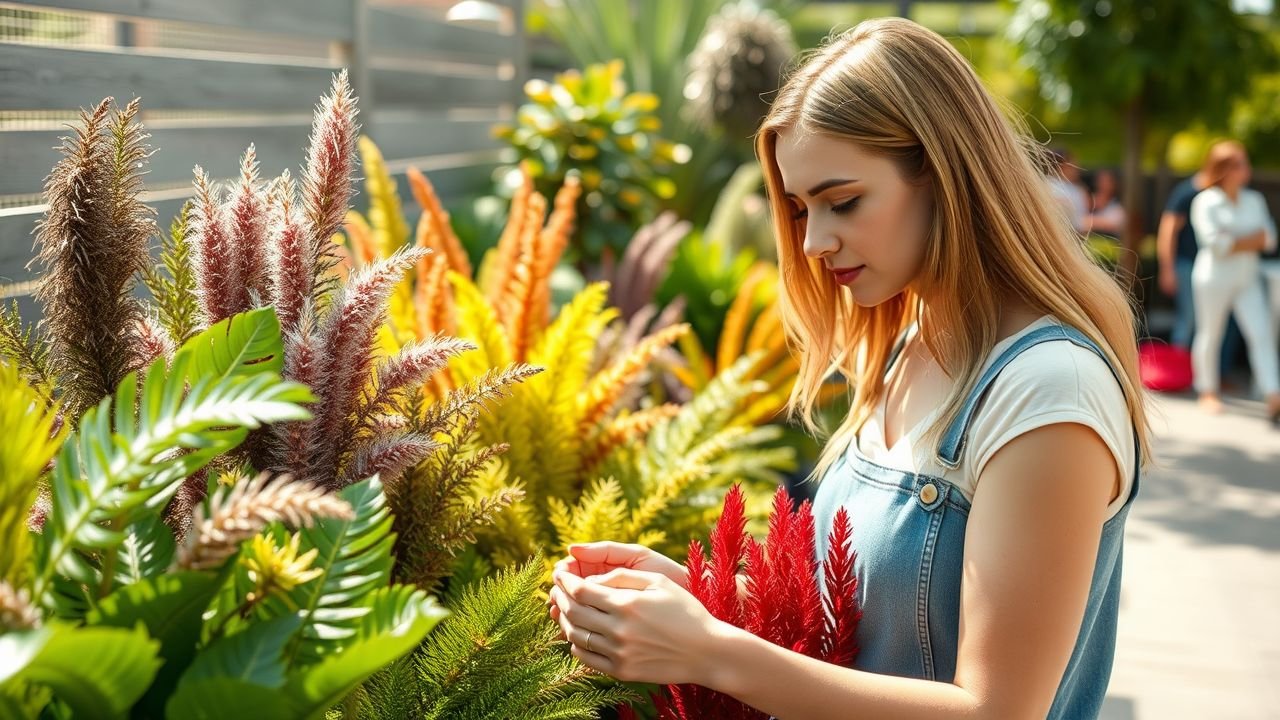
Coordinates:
[587,124]
[736,65]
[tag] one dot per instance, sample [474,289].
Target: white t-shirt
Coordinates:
[1053,382]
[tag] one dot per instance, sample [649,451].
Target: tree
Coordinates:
[1155,65]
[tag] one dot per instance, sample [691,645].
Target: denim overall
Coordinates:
[908,532]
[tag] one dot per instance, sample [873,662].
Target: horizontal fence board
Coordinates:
[38,78]
[411,137]
[405,33]
[28,156]
[17,238]
[404,89]
[312,18]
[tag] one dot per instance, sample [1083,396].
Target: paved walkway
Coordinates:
[1200,611]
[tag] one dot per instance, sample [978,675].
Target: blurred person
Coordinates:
[1106,214]
[991,454]
[1176,250]
[1071,194]
[1233,226]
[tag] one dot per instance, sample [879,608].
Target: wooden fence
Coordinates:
[217,75]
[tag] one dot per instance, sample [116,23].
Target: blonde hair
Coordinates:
[897,89]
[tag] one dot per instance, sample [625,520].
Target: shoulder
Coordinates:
[1181,195]
[1054,375]
[1047,384]
[1209,197]
[1254,197]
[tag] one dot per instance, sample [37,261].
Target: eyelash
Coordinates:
[840,209]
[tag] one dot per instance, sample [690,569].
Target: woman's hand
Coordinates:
[636,626]
[599,558]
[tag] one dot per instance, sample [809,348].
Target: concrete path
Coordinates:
[1200,611]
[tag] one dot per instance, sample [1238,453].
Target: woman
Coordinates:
[1232,226]
[1108,216]
[988,465]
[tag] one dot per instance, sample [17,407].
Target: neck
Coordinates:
[1232,192]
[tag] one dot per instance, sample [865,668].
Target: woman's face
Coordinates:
[858,216]
[1238,172]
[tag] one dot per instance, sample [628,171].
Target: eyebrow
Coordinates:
[826,185]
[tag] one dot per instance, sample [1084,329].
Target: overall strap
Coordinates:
[951,446]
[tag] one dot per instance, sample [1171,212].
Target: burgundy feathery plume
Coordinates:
[214,257]
[348,335]
[297,442]
[407,369]
[246,216]
[289,253]
[388,457]
[153,342]
[327,179]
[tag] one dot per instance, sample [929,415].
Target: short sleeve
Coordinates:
[1051,383]
[1180,199]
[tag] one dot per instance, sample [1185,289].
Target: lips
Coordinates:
[845,276]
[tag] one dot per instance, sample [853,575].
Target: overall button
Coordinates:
[928,493]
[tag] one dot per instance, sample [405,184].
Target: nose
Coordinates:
[819,242]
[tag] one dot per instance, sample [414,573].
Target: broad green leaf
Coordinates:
[355,557]
[99,672]
[170,607]
[253,655]
[243,344]
[17,649]
[224,698]
[400,618]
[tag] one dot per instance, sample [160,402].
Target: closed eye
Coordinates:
[845,206]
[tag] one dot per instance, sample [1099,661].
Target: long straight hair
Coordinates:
[899,90]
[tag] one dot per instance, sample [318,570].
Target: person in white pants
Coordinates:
[1232,226]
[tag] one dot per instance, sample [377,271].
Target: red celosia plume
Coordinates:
[782,602]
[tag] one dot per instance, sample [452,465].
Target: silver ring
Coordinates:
[587,644]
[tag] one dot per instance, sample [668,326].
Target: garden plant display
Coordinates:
[235,497]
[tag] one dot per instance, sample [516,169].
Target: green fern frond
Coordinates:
[26,349]
[355,560]
[121,464]
[497,657]
[175,295]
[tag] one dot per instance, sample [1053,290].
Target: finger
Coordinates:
[607,552]
[627,579]
[597,596]
[595,642]
[569,565]
[585,616]
[593,660]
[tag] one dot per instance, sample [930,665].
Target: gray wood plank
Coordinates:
[28,156]
[404,89]
[312,18]
[404,32]
[37,78]
[49,79]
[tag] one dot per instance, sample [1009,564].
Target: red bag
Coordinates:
[1164,367]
